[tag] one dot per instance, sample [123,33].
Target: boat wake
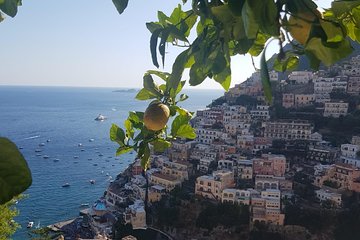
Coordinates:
[33,137]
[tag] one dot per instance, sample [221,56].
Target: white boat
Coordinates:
[38,150]
[66,185]
[92,181]
[100,118]
[41,144]
[91,140]
[45,156]
[80,145]
[30,224]
[76,157]
[84,205]
[56,160]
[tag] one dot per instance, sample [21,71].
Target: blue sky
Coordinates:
[87,43]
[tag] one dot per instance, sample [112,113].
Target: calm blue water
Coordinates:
[30,116]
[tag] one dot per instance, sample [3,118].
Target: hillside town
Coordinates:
[252,154]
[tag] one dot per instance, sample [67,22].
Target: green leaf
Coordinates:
[250,24]
[10,7]
[136,117]
[15,175]
[145,155]
[164,36]
[259,44]
[328,55]
[182,111]
[333,31]
[151,86]
[178,69]
[175,92]
[224,78]
[120,5]
[160,145]
[123,149]
[186,131]
[236,6]
[178,122]
[117,134]
[153,44]
[163,75]
[265,79]
[129,128]
[144,94]
[289,63]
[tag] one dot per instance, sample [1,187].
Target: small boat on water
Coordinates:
[80,145]
[48,140]
[21,148]
[56,160]
[76,157]
[41,144]
[45,156]
[84,205]
[91,140]
[38,150]
[66,185]
[100,117]
[30,224]
[92,181]
[83,150]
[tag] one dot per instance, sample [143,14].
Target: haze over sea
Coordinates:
[30,116]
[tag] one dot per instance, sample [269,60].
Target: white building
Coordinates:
[261,112]
[135,214]
[235,196]
[300,77]
[324,195]
[349,150]
[335,109]
[322,89]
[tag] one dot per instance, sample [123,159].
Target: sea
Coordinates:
[73,148]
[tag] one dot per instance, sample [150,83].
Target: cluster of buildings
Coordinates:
[231,159]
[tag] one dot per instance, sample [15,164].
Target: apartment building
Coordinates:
[266,208]
[235,196]
[270,164]
[261,112]
[263,182]
[302,100]
[166,181]
[353,85]
[300,77]
[245,169]
[322,154]
[212,186]
[135,215]
[341,175]
[335,109]
[288,129]
[288,100]
[324,195]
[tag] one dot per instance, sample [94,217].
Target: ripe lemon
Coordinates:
[300,26]
[156,116]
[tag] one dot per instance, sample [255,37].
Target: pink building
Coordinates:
[270,164]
